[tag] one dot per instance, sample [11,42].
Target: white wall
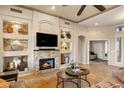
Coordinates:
[45,24]
[104,33]
[80,31]
[81,42]
[95,33]
[98,33]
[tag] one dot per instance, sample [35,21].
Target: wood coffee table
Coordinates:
[62,77]
[69,75]
[80,72]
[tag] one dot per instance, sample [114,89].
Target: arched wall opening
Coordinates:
[81,49]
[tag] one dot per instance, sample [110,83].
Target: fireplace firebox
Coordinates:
[46,63]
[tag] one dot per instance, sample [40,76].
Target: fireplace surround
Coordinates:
[46,54]
[46,63]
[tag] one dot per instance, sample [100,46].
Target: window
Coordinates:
[106,47]
[120,29]
[118,48]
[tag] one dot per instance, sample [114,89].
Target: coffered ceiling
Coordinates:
[70,11]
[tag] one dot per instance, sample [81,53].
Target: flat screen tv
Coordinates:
[46,40]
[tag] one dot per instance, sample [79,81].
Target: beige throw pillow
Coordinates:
[119,74]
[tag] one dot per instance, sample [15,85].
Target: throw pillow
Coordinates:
[119,74]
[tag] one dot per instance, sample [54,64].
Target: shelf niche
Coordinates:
[16,62]
[15,45]
[15,27]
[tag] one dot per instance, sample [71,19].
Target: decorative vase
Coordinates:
[68,35]
[10,66]
[10,28]
[72,65]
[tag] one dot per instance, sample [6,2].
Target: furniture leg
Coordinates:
[63,83]
[57,82]
[85,79]
[79,82]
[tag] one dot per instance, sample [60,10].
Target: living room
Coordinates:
[43,46]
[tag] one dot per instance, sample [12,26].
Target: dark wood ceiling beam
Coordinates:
[81,10]
[100,7]
[99,13]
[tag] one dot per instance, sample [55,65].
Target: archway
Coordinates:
[81,49]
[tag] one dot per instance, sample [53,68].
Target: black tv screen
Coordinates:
[46,40]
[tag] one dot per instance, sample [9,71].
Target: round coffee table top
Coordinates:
[77,72]
[72,73]
[63,75]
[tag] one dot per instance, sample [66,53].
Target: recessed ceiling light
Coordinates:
[96,24]
[75,15]
[53,7]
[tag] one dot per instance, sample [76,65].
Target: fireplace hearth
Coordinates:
[46,63]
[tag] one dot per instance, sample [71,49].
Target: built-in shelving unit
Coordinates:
[15,43]
[18,38]
[66,35]
[66,40]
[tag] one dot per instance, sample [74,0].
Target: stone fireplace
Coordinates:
[46,63]
[46,60]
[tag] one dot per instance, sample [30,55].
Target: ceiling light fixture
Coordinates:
[53,7]
[75,15]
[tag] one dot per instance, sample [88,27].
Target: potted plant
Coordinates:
[72,65]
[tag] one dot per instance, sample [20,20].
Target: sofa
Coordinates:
[93,55]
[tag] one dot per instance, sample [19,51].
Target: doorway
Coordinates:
[99,51]
[81,49]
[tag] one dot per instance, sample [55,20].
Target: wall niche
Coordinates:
[15,45]
[15,27]
[16,62]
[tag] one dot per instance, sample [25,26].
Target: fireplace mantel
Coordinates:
[47,50]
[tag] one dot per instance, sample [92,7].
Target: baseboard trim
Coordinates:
[118,65]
